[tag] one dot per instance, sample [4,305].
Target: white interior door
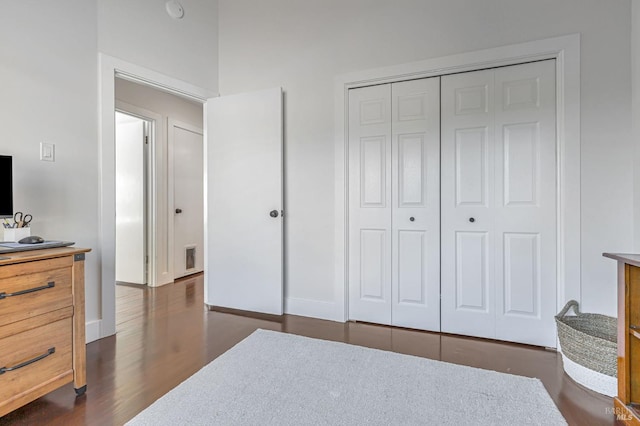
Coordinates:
[499,203]
[370,204]
[394,223]
[130,199]
[188,198]
[468,243]
[526,209]
[415,199]
[244,224]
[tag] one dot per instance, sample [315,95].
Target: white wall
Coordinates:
[141,32]
[303,46]
[48,81]
[48,93]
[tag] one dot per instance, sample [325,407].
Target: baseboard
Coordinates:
[314,308]
[92,330]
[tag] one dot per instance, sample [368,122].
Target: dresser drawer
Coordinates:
[49,348]
[34,288]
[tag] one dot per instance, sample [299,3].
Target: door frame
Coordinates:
[171,123]
[109,68]
[566,51]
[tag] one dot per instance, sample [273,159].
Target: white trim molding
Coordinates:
[566,51]
[92,330]
[108,68]
[313,308]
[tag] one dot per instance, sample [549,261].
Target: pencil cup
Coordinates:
[15,234]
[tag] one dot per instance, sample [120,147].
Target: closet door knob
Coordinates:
[412,218]
[471,220]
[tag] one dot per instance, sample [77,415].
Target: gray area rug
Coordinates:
[273,378]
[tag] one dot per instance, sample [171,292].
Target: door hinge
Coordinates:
[146,140]
[146,260]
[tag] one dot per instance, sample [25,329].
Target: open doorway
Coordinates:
[113,71]
[172,204]
[176,127]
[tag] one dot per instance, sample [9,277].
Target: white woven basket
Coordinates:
[590,350]
[588,378]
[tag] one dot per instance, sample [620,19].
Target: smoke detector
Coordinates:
[174,9]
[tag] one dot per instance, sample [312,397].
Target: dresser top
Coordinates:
[629,258]
[28,256]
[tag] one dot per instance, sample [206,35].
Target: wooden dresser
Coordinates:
[627,403]
[42,325]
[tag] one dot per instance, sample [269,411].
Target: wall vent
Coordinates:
[190,258]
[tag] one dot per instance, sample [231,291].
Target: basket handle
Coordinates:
[570,304]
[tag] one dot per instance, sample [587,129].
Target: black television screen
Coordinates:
[6,187]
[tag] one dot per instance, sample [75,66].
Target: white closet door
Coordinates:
[468,282]
[394,196]
[370,204]
[499,203]
[415,197]
[525,209]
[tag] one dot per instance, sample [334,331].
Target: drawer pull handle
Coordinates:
[50,284]
[31,361]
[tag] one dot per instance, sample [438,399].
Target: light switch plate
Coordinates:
[47,151]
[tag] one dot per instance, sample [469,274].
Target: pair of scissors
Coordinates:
[21,220]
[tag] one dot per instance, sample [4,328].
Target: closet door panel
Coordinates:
[411,170]
[472,272]
[373,162]
[521,279]
[525,209]
[370,204]
[415,197]
[372,261]
[521,174]
[468,240]
[470,166]
[411,280]
[499,194]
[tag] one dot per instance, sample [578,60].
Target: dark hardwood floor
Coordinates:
[164,335]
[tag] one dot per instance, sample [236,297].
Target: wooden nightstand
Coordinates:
[42,324]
